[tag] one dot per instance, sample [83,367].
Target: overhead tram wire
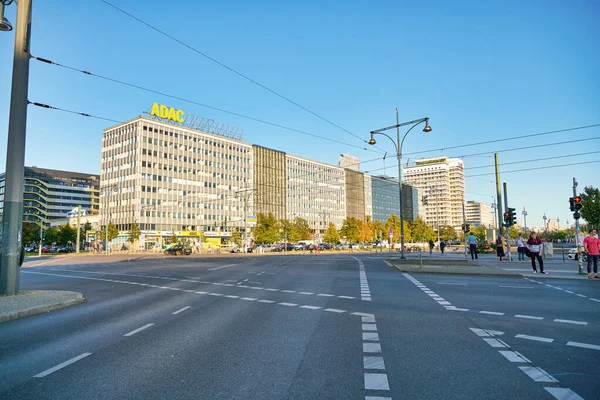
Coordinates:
[72,112]
[536,159]
[44,60]
[233,70]
[528,169]
[507,150]
[505,139]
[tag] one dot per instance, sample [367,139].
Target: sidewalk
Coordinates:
[486,264]
[36,302]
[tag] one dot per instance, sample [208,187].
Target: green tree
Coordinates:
[51,235]
[66,234]
[351,229]
[513,232]
[332,235]
[408,237]
[590,199]
[134,233]
[394,223]
[378,226]
[267,228]
[236,237]
[301,230]
[478,232]
[30,233]
[447,233]
[287,229]
[113,232]
[421,232]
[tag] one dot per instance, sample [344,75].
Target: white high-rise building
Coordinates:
[479,214]
[442,181]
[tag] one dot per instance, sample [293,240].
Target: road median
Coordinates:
[441,266]
[36,302]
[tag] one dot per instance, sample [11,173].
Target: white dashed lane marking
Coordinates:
[535,338]
[181,310]
[528,316]
[584,345]
[133,332]
[563,393]
[365,292]
[538,374]
[568,321]
[61,365]
[191,280]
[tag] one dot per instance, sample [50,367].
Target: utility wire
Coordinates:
[526,169]
[507,150]
[71,111]
[196,103]
[232,70]
[506,139]
[536,159]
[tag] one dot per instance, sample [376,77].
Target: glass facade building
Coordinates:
[50,194]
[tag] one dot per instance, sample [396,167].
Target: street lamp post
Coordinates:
[110,189]
[398,144]
[15,150]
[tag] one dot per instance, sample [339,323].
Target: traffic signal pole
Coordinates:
[498,194]
[508,223]
[577,229]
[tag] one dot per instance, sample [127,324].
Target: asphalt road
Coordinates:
[299,327]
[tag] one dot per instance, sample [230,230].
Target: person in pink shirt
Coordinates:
[592,247]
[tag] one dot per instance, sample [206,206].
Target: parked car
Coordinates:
[179,249]
[355,246]
[64,249]
[574,256]
[236,250]
[45,249]
[30,249]
[324,246]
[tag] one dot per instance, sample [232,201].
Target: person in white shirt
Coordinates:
[521,247]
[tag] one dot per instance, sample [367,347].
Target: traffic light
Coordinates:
[467,229]
[577,206]
[512,218]
[506,218]
[463,227]
[572,204]
[424,200]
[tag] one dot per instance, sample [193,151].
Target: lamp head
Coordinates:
[427,128]
[4,23]
[372,141]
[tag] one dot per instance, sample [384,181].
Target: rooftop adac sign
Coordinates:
[164,112]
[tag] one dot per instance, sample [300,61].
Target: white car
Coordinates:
[574,256]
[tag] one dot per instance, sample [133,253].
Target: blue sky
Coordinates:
[480,70]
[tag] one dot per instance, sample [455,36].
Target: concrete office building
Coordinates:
[442,180]
[478,214]
[315,192]
[270,184]
[172,179]
[49,195]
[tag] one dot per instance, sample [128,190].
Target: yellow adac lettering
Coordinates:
[179,116]
[155,111]
[164,111]
[172,114]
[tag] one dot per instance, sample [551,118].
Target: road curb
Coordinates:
[417,270]
[42,309]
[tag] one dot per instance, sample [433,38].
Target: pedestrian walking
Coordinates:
[534,245]
[442,246]
[500,247]
[521,247]
[431,245]
[592,246]
[472,246]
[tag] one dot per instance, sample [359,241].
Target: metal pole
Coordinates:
[107,222]
[498,195]
[15,154]
[465,224]
[400,186]
[525,218]
[245,224]
[78,228]
[508,227]
[41,234]
[577,232]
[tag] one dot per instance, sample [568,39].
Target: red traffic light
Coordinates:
[577,199]
[506,214]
